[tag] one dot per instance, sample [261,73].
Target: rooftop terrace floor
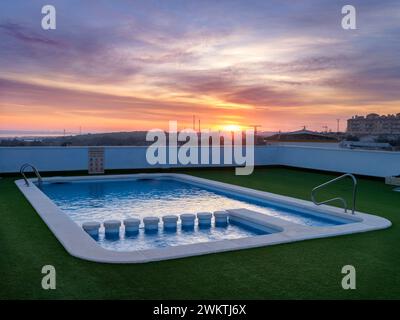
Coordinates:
[303,270]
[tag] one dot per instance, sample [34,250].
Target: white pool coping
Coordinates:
[79,244]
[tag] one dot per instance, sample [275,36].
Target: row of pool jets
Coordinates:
[151,224]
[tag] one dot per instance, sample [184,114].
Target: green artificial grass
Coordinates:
[302,270]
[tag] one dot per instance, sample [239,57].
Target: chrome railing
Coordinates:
[22,171]
[344,202]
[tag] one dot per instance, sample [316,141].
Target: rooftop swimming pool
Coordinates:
[102,200]
[253,218]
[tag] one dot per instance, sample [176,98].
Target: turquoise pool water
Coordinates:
[119,199]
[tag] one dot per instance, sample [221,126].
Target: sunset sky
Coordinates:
[131,65]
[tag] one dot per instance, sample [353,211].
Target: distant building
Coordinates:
[302,136]
[374,124]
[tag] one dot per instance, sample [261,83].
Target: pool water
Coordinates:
[102,200]
[149,240]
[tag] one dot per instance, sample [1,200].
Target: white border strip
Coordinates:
[79,244]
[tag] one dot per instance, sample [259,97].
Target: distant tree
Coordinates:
[382,139]
[352,138]
[395,142]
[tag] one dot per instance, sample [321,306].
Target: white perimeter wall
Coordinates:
[372,163]
[364,162]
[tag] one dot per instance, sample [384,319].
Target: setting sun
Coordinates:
[232,127]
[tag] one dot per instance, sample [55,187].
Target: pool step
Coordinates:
[112,228]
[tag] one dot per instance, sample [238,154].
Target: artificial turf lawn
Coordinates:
[301,270]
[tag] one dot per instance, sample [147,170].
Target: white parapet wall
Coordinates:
[44,158]
[77,158]
[364,162]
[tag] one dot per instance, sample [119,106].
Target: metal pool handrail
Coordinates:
[337,198]
[26,165]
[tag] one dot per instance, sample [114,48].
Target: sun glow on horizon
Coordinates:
[232,127]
